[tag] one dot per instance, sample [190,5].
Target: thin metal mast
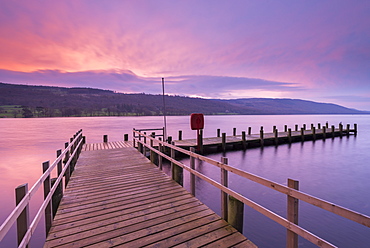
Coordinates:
[164,114]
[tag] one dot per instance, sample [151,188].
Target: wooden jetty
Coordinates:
[117,197]
[247,140]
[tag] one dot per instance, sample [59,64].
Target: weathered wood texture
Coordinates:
[116,197]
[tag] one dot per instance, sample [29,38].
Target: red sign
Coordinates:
[196,121]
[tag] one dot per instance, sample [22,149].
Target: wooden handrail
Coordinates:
[336,209]
[11,219]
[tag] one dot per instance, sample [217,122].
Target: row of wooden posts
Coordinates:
[66,163]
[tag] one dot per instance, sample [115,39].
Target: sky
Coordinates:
[315,50]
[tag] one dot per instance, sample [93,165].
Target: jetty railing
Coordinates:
[232,202]
[53,192]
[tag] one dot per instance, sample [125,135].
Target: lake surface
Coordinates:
[336,170]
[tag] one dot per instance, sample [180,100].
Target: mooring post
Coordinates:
[223,142]
[23,218]
[290,135]
[57,196]
[68,170]
[169,141]
[105,138]
[355,128]
[192,176]
[324,132]
[224,196]
[160,147]
[244,140]
[302,133]
[285,128]
[312,126]
[313,133]
[340,130]
[60,167]
[180,134]
[249,130]
[177,171]
[261,136]
[125,137]
[304,126]
[327,124]
[235,213]
[48,209]
[348,129]
[273,129]
[153,157]
[292,215]
[276,137]
[296,127]
[200,141]
[318,126]
[218,133]
[332,131]
[234,131]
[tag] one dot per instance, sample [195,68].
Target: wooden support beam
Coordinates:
[235,213]
[48,209]
[23,218]
[292,215]
[192,176]
[224,196]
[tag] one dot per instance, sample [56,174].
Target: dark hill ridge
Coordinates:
[43,101]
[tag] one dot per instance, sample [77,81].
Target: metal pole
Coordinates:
[164,113]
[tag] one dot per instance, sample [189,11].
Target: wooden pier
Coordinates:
[247,140]
[117,197]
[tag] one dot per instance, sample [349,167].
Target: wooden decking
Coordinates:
[116,197]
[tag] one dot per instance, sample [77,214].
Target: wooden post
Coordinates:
[192,176]
[292,215]
[48,209]
[290,135]
[304,126]
[125,137]
[200,141]
[57,196]
[244,141]
[224,196]
[285,128]
[153,157]
[273,129]
[23,218]
[296,127]
[218,133]
[318,126]
[313,133]
[249,130]
[177,171]
[332,131]
[348,129]
[60,167]
[261,136]
[223,142]
[234,131]
[84,139]
[324,132]
[355,128]
[68,170]
[235,213]
[169,141]
[340,130]
[302,133]
[105,138]
[160,159]
[276,137]
[312,126]
[180,134]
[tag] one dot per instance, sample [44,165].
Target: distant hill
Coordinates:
[46,101]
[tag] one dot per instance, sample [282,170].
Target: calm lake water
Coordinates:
[336,170]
